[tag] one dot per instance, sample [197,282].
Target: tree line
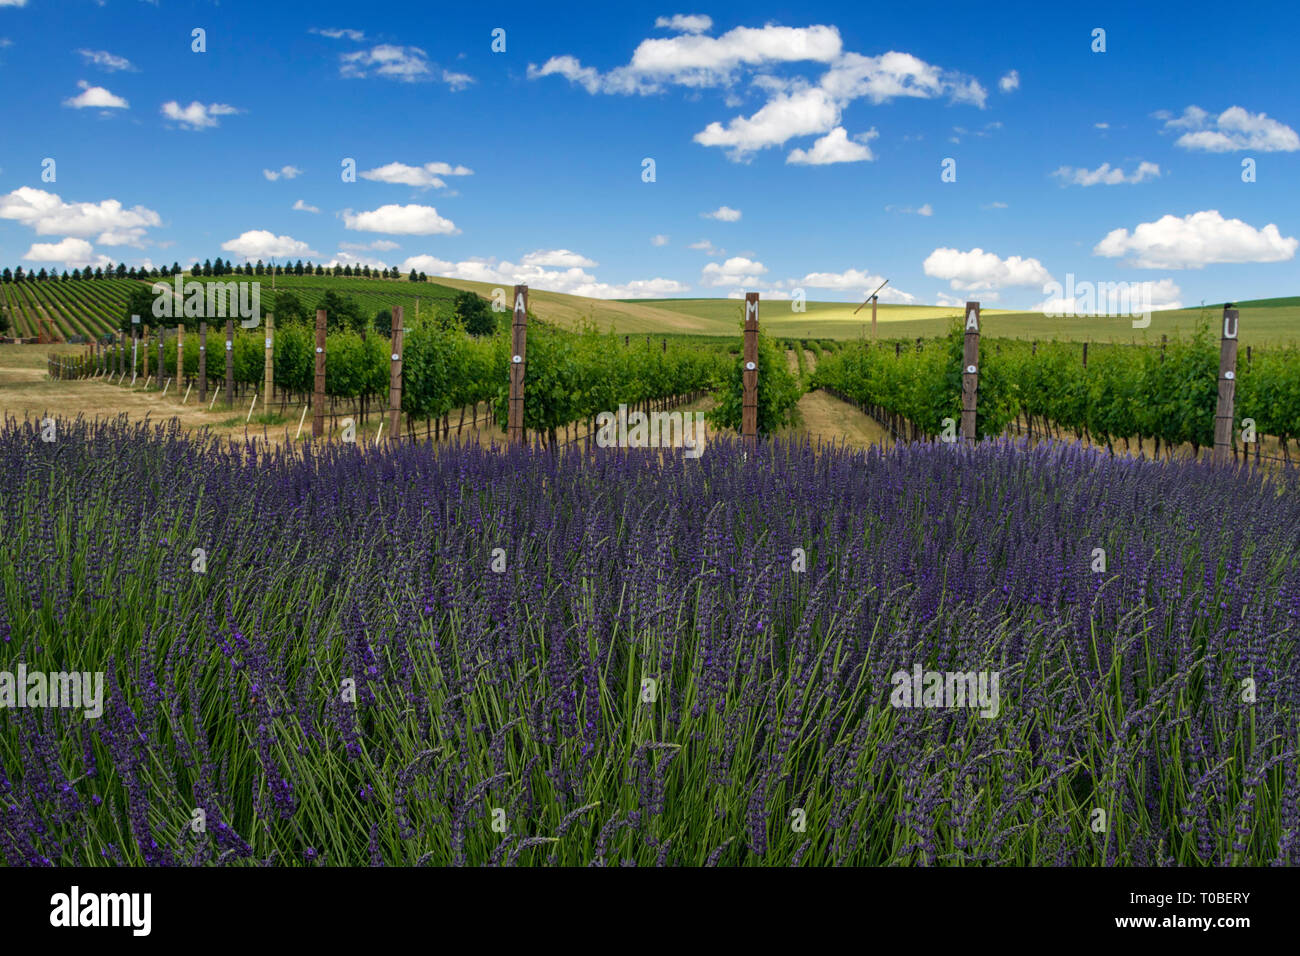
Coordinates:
[209,267]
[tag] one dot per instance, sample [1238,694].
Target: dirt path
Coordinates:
[827,419]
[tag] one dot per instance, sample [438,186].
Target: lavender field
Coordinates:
[457,656]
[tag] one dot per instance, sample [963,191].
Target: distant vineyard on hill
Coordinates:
[90,309]
[86,309]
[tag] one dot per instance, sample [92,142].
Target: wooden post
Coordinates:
[1085,354]
[873,319]
[146,355]
[318,394]
[203,362]
[135,342]
[518,355]
[268,370]
[749,373]
[1227,386]
[180,354]
[395,376]
[230,363]
[970,372]
[162,365]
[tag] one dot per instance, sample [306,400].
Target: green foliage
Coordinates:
[1268,391]
[778,391]
[475,314]
[354,366]
[341,313]
[289,310]
[1169,394]
[384,323]
[138,302]
[295,358]
[922,385]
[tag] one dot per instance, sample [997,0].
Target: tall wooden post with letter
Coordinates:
[970,371]
[395,376]
[749,374]
[318,394]
[268,369]
[203,361]
[230,362]
[518,355]
[1227,386]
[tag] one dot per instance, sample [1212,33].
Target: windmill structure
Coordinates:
[872,299]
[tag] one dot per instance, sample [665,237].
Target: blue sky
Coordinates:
[794,146]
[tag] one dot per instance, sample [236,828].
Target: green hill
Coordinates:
[1263,321]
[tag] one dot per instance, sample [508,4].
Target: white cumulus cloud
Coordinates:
[977,270]
[1106,175]
[286,172]
[855,280]
[197,115]
[70,253]
[531,271]
[410,220]
[1010,81]
[724,214]
[261,244]
[301,206]
[894,74]
[421,177]
[95,97]
[406,64]
[561,258]
[1233,129]
[1196,240]
[736,271]
[784,116]
[794,106]
[48,214]
[685,23]
[835,147]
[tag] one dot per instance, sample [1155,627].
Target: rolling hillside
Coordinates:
[91,308]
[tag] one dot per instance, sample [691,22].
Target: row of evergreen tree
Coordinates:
[209,267]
